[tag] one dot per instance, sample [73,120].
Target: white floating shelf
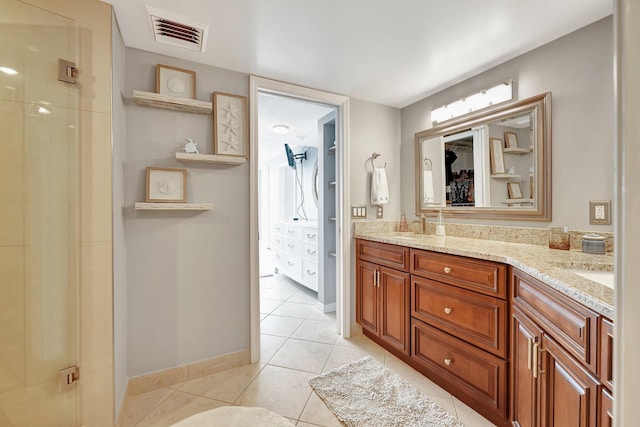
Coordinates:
[146,206]
[149,99]
[505,176]
[519,151]
[517,201]
[210,158]
[332,184]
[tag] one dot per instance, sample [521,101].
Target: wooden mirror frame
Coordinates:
[540,106]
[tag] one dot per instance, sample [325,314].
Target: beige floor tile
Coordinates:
[294,309]
[279,325]
[302,355]
[176,407]
[226,385]
[281,390]
[318,315]
[421,382]
[304,295]
[269,345]
[312,330]
[446,402]
[316,412]
[359,341]
[469,417]
[268,305]
[140,405]
[342,355]
[303,424]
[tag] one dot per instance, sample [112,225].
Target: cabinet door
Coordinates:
[570,395]
[394,308]
[524,387]
[367,296]
[606,408]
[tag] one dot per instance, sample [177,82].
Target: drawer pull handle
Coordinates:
[447,310]
[310,252]
[311,236]
[311,273]
[447,270]
[289,263]
[536,353]
[448,362]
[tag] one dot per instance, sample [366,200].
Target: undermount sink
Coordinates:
[603,277]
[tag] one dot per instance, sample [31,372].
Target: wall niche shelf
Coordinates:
[517,201]
[149,99]
[505,176]
[519,151]
[146,206]
[210,158]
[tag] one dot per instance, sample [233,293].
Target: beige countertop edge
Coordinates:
[547,265]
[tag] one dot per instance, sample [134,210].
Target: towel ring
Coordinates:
[375,156]
[427,164]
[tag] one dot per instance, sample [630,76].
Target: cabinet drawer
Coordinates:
[477,275]
[606,353]
[310,234]
[291,245]
[293,266]
[279,259]
[310,272]
[278,242]
[310,251]
[574,326]
[280,228]
[478,319]
[482,377]
[383,254]
[292,232]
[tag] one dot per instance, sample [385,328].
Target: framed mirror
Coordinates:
[493,164]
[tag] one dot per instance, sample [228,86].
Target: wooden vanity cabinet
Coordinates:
[382,293]
[553,355]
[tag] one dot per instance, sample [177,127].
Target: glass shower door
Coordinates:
[38,217]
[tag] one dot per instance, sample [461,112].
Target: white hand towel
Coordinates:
[379,187]
[427,182]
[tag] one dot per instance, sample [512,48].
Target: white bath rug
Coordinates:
[365,394]
[235,416]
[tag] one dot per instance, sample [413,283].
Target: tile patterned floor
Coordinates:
[298,341]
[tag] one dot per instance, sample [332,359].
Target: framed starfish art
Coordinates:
[230,124]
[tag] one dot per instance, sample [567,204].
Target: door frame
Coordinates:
[343,271]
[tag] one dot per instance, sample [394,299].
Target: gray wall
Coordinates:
[578,70]
[118,126]
[187,273]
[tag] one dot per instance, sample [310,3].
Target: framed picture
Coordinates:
[176,82]
[230,125]
[166,185]
[515,192]
[511,139]
[496,155]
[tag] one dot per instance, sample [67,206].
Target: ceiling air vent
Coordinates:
[178,31]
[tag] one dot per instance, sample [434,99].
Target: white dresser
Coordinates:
[296,251]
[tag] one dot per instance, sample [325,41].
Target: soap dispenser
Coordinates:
[440,227]
[404,225]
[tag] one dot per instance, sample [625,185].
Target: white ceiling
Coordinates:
[389,52]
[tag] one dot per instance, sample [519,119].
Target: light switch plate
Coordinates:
[358,211]
[600,212]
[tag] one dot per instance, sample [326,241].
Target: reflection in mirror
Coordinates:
[493,164]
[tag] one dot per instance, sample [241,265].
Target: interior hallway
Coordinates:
[298,341]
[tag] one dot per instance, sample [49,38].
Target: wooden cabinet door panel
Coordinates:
[486,277]
[394,308]
[571,324]
[478,319]
[383,254]
[367,296]
[606,353]
[606,408]
[570,395]
[524,387]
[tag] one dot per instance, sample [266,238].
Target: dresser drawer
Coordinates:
[310,272]
[310,234]
[280,228]
[278,242]
[291,245]
[574,326]
[477,275]
[478,319]
[279,259]
[293,266]
[292,231]
[383,254]
[310,251]
[480,376]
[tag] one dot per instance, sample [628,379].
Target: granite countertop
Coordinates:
[550,266]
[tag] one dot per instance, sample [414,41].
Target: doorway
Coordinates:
[284,220]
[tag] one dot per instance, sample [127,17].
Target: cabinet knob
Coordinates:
[447,310]
[448,362]
[447,270]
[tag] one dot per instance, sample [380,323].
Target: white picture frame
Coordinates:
[168,185]
[511,140]
[230,125]
[497,156]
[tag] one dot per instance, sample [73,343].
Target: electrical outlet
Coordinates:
[379,212]
[600,212]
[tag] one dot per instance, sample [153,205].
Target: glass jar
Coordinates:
[559,238]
